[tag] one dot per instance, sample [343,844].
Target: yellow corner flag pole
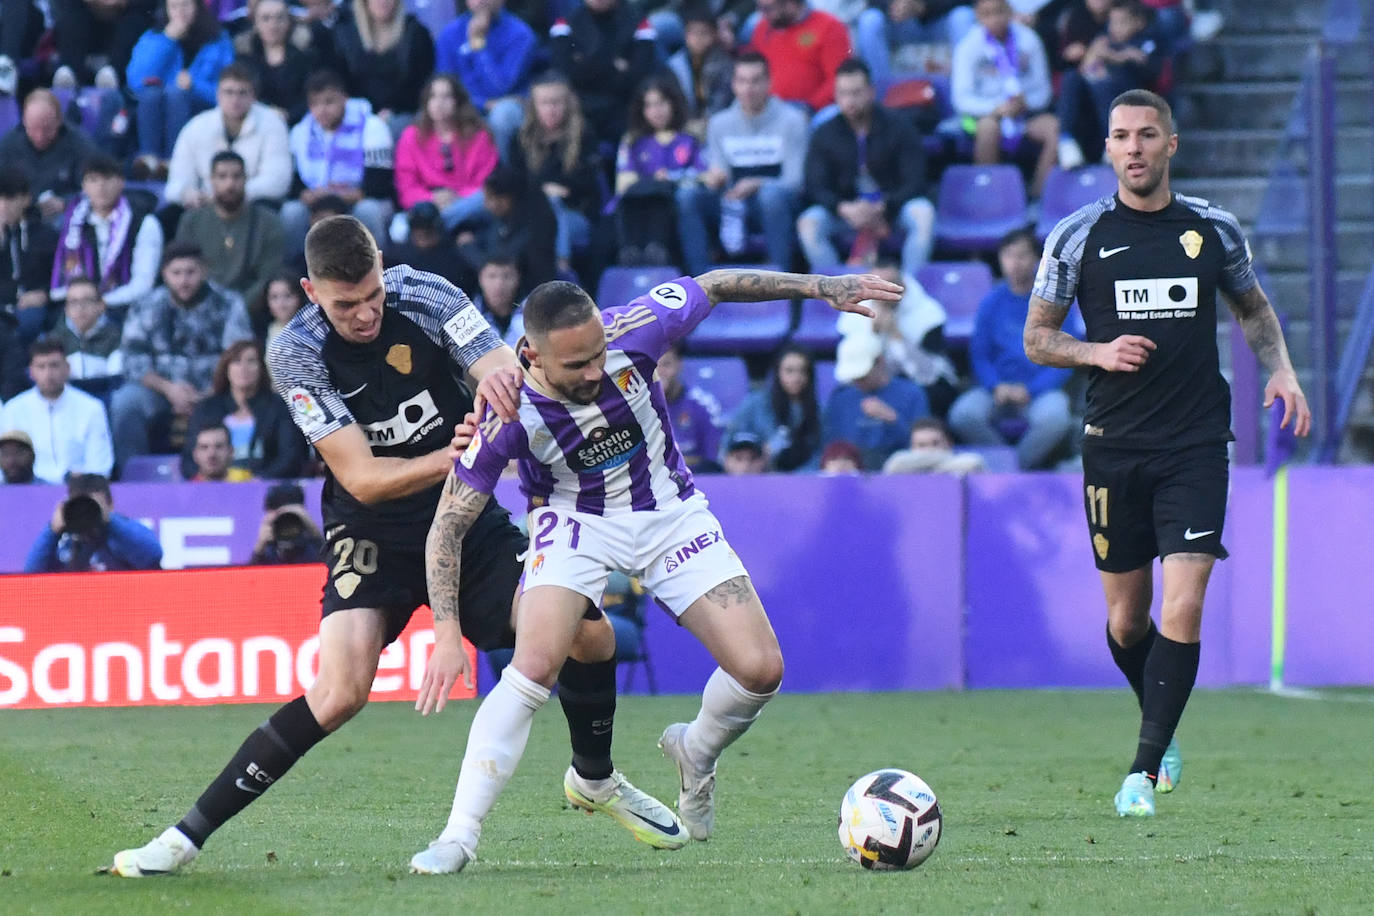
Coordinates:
[1278,606]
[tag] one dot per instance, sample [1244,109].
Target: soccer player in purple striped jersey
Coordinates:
[607,489]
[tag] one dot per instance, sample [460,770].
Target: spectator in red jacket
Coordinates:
[804,47]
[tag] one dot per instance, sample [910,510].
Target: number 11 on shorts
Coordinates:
[547,522]
[1097,506]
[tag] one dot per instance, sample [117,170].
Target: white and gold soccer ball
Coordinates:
[890,820]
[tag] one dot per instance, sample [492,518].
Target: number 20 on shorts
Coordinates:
[545,532]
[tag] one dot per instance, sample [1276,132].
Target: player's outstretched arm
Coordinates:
[372,479]
[458,508]
[1264,334]
[1046,343]
[846,293]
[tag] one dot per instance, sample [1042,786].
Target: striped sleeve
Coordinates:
[1057,279]
[300,377]
[444,312]
[1237,272]
[491,449]
[651,323]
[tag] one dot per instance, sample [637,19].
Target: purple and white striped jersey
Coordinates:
[616,455]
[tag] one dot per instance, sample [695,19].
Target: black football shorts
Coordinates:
[363,573]
[1143,504]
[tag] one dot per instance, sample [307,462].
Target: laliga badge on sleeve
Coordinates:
[309,414]
[470,453]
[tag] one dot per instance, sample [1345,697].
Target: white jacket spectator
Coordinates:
[1000,84]
[258,135]
[69,428]
[983,74]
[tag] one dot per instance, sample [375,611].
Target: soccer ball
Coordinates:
[889,821]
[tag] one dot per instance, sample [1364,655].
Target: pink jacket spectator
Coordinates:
[422,166]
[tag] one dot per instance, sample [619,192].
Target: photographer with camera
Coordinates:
[86,534]
[288,534]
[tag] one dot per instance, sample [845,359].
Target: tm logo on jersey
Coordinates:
[693,547]
[415,418]
[607,447]
[1157,297]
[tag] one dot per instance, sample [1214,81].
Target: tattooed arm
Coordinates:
[1046,343]
[1262,330]
[459,507]
[1265,337]
[845,294]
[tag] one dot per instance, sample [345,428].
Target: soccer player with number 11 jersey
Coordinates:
[1146,265]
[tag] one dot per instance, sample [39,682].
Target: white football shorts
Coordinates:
[679,553]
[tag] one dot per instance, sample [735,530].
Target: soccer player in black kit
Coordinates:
[1146,265]
[370,373]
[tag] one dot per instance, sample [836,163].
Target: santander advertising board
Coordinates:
[193,637]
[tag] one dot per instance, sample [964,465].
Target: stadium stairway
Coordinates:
[1233,99]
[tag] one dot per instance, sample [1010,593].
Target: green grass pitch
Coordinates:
[1274,813]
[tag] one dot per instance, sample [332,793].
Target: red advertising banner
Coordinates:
[185,638]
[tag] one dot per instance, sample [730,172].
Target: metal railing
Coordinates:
[1295,204]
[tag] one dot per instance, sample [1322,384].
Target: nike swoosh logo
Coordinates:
[1103,253]
[246,786]
[1190,535]
[669,829]
[355,391]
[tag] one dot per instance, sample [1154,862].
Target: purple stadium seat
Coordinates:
[999,459]
[959,286]
[817,332]
[841,270]
[157,190]
[978,204]
[9,114]
[621,284]
[825,381]
[724,377]
[743,327]
[152,469]
[1066,191]
[434,14]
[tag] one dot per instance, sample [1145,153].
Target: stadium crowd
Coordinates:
[162,160]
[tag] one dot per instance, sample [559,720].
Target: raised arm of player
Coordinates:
[458,508]
[1264,334]
[845,294]
[1047,343]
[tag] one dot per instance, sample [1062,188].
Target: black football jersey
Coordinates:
[403,389]
[1156,274]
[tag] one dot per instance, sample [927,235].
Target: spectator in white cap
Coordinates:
[871,407]
[16,458]
[68,429]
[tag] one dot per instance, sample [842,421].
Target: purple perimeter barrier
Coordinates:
[864,577]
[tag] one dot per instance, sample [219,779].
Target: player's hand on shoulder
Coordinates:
[1125,354]
[500,390]
[1284,386]
[849,293]
[447,664]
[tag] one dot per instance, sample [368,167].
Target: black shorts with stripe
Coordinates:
[1142,504]
[365,574]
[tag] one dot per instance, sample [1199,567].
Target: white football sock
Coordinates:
[496,742]
[727,711]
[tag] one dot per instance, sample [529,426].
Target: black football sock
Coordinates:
[261,760]
[587,692]
[1131,660]
[1170,672]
